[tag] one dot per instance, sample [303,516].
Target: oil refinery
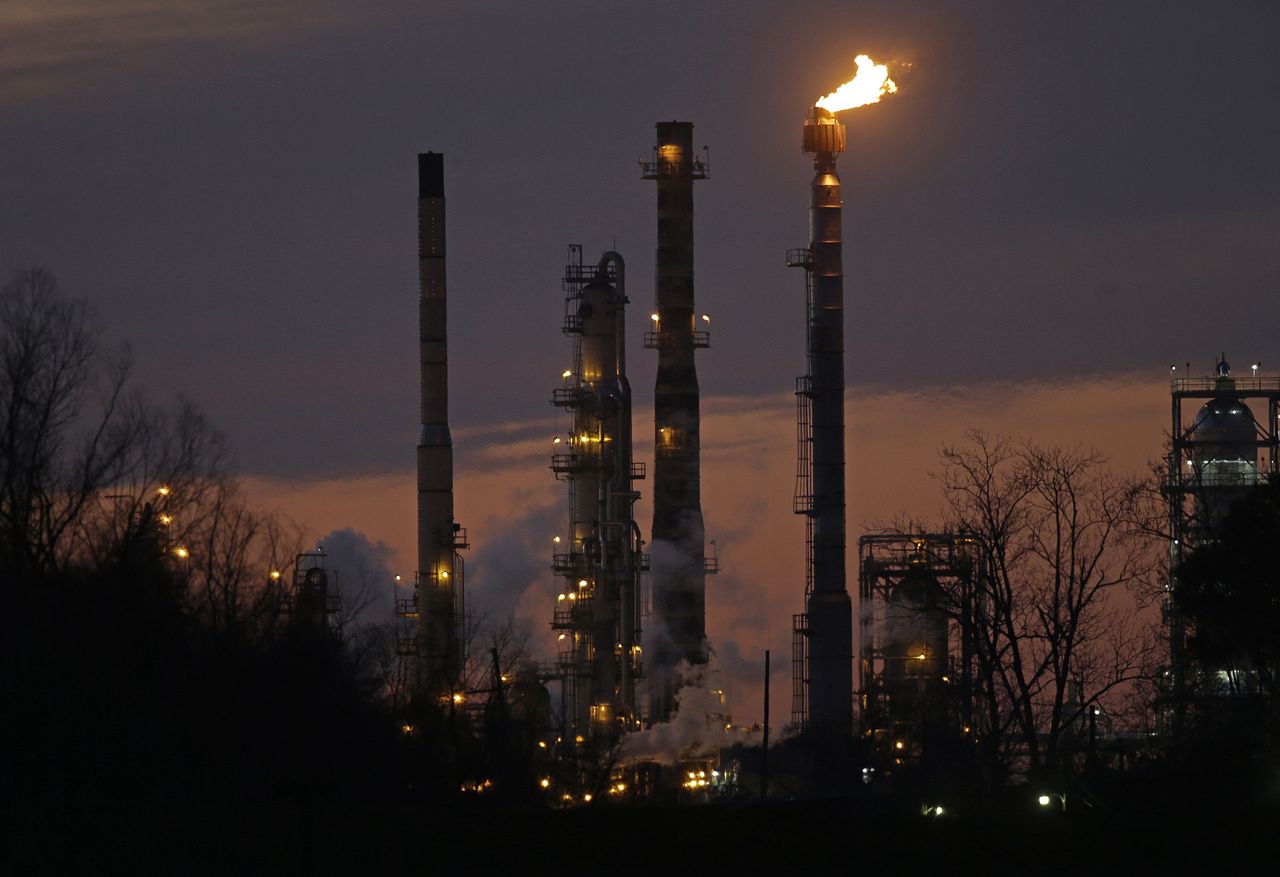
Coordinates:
[626,709]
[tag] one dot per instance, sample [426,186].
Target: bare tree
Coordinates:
[89,468]
[66,423]
[1053,617]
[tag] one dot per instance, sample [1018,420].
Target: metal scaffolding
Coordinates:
[915,654]
[1217,454]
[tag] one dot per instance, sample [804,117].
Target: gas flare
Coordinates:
[867,86]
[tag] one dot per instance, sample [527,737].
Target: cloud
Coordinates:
[85,45]
[365,577]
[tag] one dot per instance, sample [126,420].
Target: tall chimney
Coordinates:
[678,622]
[830,617]
[438,583]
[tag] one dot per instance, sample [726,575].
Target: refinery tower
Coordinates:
[822,645]
[677,624]
[597,610]
[437,602]
[824,633]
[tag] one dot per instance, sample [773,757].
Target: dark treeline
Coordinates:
[149,653]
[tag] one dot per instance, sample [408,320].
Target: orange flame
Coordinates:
[866,87]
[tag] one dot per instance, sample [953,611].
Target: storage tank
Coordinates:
[915,642]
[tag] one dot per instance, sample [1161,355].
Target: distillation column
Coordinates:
[829,610]
[678,621]
[439,585]
[597,612]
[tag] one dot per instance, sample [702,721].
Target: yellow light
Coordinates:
[899,745]
[182,552]
[555,539]
[163,490]
[397,577]
[545,782]
[587,797]
[706,318]
[582,583]
[654,317]
[459,698]
[542,744]
[407,728]
[578,739]
[444,574]
[566,374]
[560,637]
[166,519]
[275,575]
[572,595]
[920,657]
[559,598]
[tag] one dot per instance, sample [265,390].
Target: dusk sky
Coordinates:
[1062,200]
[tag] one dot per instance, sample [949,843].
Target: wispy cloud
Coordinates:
[53,46]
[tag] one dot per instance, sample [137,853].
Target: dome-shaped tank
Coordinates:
[915,640]
[1225,437]
[1228,422]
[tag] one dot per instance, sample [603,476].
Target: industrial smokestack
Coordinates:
[678,622]
[829,611]
[438,582]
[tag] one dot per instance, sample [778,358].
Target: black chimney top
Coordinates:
[430,174]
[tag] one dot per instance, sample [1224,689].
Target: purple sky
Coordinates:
[1057,190]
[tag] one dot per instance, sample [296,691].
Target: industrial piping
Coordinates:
[680,565]
[439,579]
[830,617]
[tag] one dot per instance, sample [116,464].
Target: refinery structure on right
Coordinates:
[1224,443]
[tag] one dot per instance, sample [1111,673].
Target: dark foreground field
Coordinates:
[807,837]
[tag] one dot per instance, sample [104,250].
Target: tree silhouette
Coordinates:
[1228,591]
[1052,616]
